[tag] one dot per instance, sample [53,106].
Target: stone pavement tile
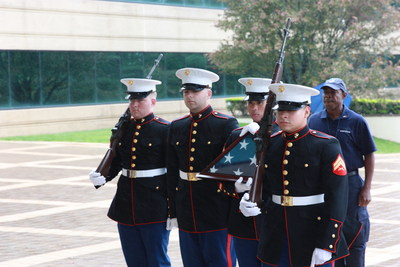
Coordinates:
[51,215]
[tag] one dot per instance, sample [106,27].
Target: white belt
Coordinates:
[298,201]
[143,173]
[189,176]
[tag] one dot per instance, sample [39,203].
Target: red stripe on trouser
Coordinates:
[228,250]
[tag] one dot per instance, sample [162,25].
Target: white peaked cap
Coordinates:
[197,76]
[256,85]
[135,85]
[293,92]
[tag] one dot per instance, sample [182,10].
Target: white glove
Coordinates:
[320,256]
[96,178]
[247,207]
[251,127]
[172,223]
[243,187]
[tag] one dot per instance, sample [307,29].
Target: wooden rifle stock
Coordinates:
[117,133]
[264,134]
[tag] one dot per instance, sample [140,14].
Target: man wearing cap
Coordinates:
[305,179]
[358,146]
[199,206]
[140,204]
[244,229]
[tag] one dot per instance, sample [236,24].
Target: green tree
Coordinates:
[337,38]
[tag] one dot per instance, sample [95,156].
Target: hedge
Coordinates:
[238,107]
[376,106]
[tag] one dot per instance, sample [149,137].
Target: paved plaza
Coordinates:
[51,215]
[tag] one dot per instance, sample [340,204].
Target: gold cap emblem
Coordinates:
[130,82]
[187,72]
[281,88]
[249,82]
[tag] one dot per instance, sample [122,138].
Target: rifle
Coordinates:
[118,131]
[263,136]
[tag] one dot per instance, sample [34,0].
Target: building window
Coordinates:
[50,78]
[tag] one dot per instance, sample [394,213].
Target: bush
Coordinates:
[376,106]
[236,106]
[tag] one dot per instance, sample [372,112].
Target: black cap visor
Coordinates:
[255,96]
[137,95]
[193,87]
[287,105]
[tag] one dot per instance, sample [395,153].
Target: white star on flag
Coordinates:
[243,144]
[213,169]
[253,160]
[237,172]
[228,158]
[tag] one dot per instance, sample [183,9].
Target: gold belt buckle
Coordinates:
[191,176]
[132,174]
[287,201]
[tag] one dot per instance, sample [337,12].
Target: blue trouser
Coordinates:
[356,216]
[284,258]
[212,249]
[145,245]
[246,252]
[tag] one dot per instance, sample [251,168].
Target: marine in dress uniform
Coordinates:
[244,229]
[358,146]
[305,178]
[200,206]
[140,204]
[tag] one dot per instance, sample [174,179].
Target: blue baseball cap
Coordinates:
[335,84]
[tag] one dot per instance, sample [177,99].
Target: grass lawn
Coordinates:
[103,136]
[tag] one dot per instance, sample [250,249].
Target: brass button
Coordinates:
[290,144]
[287,153]
[286,182]
[157,187]
[191,158]
[296,135]
[194,132]
[193,140]
[200,115]
[138,127]
[195,124]
[176,188]
[285,172]
[306,165]
[133,157]
[133,165]
[218,190]
[333,235]
[150,144]
[142,120]
[135,141]
[318,218]
[209,142]
[265,165]
[336,225]
[330,246]
[191,168]
[133,148]
[285,192]
[136,133]
[285,162]
[192,149]
[177,143]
